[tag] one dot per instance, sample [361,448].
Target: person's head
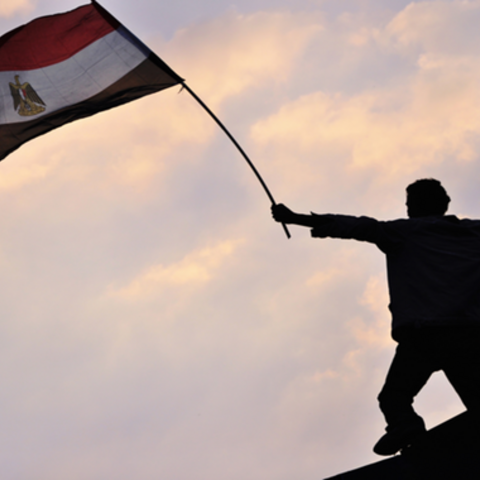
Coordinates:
[426,197]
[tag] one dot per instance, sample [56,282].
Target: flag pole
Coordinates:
[165,67]
[239,148]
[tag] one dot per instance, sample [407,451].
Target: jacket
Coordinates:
[433,265]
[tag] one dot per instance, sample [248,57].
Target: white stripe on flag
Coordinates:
[76,79]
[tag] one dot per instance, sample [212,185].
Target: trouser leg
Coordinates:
[408,373]
[461,352]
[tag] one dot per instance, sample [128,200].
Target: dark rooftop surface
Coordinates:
[450,451]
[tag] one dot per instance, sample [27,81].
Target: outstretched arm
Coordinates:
[283,214]
[386,235]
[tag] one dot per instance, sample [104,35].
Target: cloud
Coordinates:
[373,333]
[230,54]
[376,129]
[13,7]
[196,269]
[423,120]
[449,28]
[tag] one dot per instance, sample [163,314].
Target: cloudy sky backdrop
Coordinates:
[155,322]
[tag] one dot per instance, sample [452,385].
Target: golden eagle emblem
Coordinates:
[26,101]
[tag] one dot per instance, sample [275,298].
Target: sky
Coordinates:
[155,321]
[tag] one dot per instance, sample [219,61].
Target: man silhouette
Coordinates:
[433,266]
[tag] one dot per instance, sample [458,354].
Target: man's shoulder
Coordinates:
[448,220]
[435,226]
[468,221]
[433,220]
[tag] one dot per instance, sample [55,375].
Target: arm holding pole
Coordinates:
[281,213]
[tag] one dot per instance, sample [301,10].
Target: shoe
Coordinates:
[399,437]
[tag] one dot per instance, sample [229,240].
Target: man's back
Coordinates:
[433,265]
[434,271]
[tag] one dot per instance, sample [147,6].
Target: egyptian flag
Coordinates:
[60,68]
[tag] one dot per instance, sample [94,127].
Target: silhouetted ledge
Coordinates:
[449,451]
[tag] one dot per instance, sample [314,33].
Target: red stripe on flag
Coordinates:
[52,39]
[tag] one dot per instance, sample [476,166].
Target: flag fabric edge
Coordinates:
[153,56]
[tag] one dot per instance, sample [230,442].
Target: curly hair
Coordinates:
[427,197]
